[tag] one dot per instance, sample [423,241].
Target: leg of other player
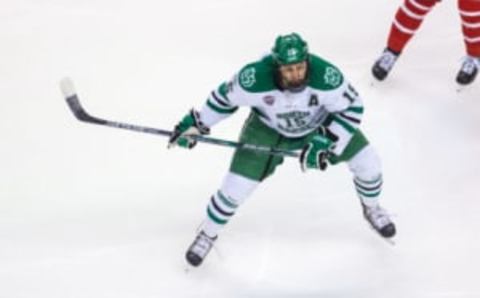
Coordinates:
[470,15]
[408,19]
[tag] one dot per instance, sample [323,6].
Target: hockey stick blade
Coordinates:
[73,101]
[68,90]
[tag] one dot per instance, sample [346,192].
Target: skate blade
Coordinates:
[187,268]
[460,88]
[374,83]
[389,241]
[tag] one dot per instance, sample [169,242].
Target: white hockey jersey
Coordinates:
[328,99]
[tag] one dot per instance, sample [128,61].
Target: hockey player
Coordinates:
[299,102]
[408,19]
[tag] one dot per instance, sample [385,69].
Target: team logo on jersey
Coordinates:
[294,122]
[332,76]
[313,100]
[269,100]
[247,77]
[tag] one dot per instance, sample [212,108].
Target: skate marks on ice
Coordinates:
[275,265]
[468,90]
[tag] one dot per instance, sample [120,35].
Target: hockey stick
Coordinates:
[68,90]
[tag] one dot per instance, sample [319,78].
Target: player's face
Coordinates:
[293,75]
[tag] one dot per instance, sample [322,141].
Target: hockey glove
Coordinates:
[189,126]
[315,154]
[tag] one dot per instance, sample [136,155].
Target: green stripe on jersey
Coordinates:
[221,110]
[358,110]
[223,90]
[344,124]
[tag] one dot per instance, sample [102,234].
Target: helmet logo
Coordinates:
[292,53]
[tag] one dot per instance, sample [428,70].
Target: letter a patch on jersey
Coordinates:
[313,101]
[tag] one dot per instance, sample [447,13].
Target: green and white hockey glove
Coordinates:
[315,154]
[189,126]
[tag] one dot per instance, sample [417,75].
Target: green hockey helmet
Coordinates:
[289,49]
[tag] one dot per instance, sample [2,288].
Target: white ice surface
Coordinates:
[88,211]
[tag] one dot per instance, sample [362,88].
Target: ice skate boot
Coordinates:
[199,249]
[468,71]
[378,218]
[384,64]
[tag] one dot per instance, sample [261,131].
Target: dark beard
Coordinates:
[296,87]
[292,87]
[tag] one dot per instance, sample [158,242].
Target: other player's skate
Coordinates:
[379,220]
[199,249]
[468,71]
[384,64]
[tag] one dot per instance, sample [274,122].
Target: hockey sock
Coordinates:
[219,211]
[368,191]
[407,20]
[234,191]
[470,14]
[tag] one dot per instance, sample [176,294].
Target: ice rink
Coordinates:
[90,211]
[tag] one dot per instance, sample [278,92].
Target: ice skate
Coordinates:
[384,64]
[468,71]
[379,220]
[199,249]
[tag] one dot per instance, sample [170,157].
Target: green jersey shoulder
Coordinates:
[323,75]
[258,76]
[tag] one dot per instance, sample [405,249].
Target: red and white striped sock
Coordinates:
[470,14]
[407,20]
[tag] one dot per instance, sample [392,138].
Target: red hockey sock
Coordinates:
[470,15]
[407,20]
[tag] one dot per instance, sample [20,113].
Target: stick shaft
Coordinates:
[81,114]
